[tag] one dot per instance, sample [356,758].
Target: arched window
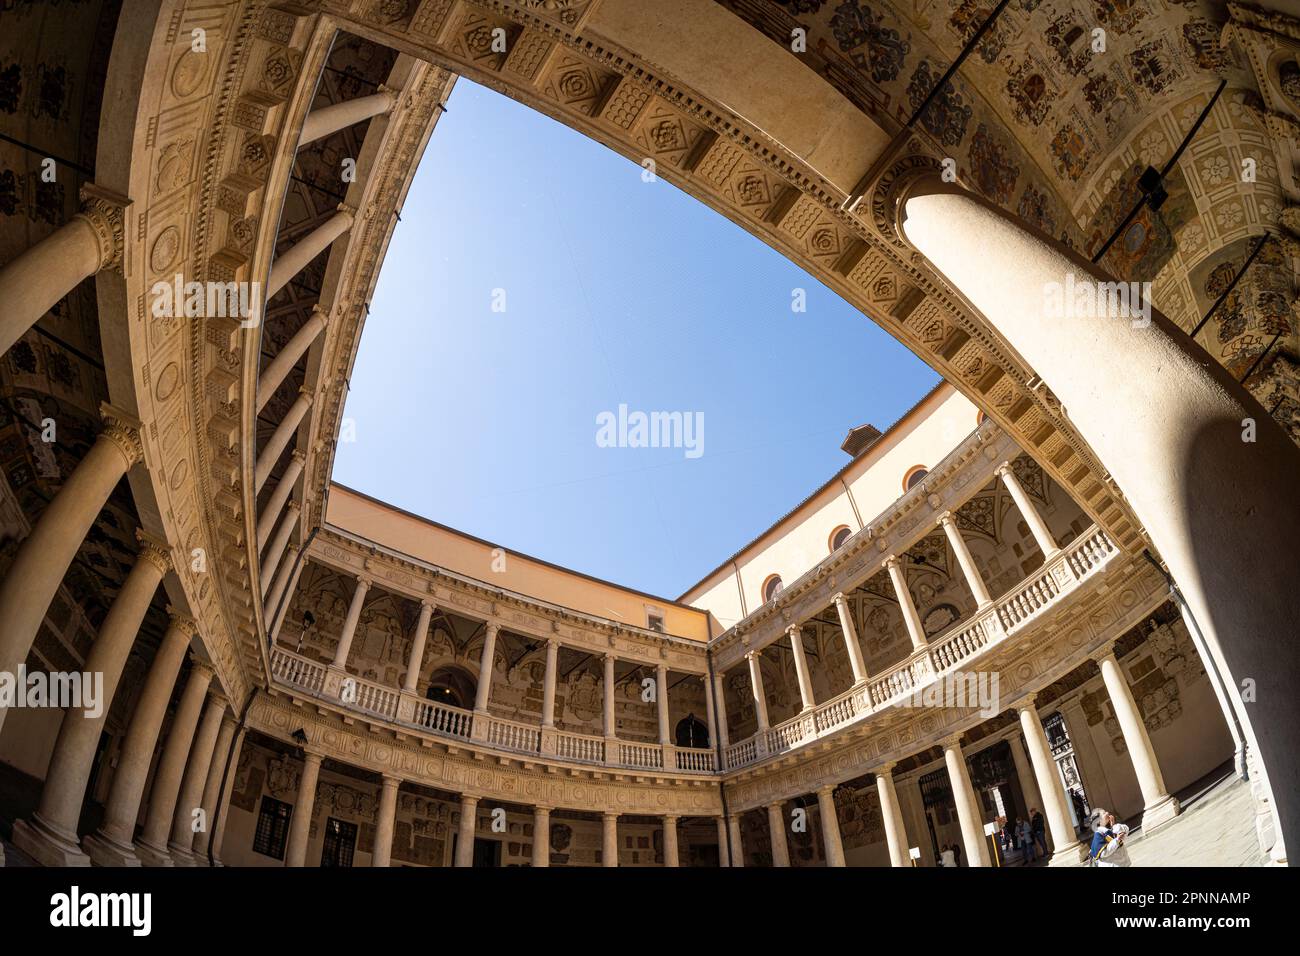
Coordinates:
[914,475]
[839,536]
[691,732]
[772,587]
[451,686]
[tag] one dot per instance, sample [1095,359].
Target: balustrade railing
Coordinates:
[696,760]
[512,735]
[647,756]
[297,671]
[442,719]
[581,747]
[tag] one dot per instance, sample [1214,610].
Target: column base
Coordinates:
[105,851]
[151,855]
[181,855]
[1072,855]
[47,844]
[1159,814]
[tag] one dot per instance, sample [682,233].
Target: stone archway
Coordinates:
[452,685]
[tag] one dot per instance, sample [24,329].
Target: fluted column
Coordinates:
[350,624]
[50,837]
[541,836]
[661,700]
[485,670]
[43,558]
[1037,526]
[281,541]
[737,845]
[609,839]
[330,119]
[294,259]
[385,820]
[719,702]
[724,854]
[911,617]
[609,723]
[279,439]
[111,844]
[303,808]
[801,667]
[217,771]
[968,810]
[465,832]
[190,796]
[964,558]
[850,632]
[776,833]
[35,281]
[151,848]
[222,807]
[1158,807]
[756,686]
[891,814]
[830,827]
[1065,845]
[548,686]
[671,853]
[415,662]
[290,354]
[275,504]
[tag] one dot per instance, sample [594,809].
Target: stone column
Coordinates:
[672,856]
[484,688]
[222,807]
[416,661]
[151,848]
[968,809]
[294,259]
[661,700]
[1066,848]
[548,687]
[50,837]
[1159,807]
[290,354]
[465,834]
[966,560]
[35,281]
[190,797]
[350,624]
[892,816]
[911,618]
[830,826]
[724,856]
[756,683]
[1037,526]
[541,836]
[212,788]
[1222,512]
[275,504]
[281,541]
[43,558]
[719,701]
[279,439]
[850,632]
[330,119]
[385,820]
[111,844]
[801,668]
[609,839]
[303,808]
[1025,773]
[776,833]
[737,844]
[278,601]
[609,723]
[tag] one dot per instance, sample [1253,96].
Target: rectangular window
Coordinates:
[272,828]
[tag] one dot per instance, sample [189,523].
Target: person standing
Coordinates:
[946,857]
[1026,842]
[1108,847]
[1038,828]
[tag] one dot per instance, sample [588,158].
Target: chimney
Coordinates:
[860,439]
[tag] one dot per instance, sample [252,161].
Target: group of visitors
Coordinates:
[1028,835]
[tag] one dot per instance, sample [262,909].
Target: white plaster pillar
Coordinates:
[151,848]
[467,827]
[275,504]
[801,668]
[290,353]
[1037,526]
[968,809]
[609,839]
[43,558]
[330,119]
[548,685]
[911,617]
[850,633]
[776,833]
[1221,511]
[719,702]
[1159,806]
[279,439]
[609,724]
[281,541]
[830,826]
[756,685]
[737,844]
[1066,848]
[971,573]
[891,814]
[671,853]
[541,836]
[385,821]
[212,788]
[111,844]
[50,836]
[294,259]
[350,624]
[303,808]
[190,796]
[415,662]
[484,688]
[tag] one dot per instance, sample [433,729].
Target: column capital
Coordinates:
[553,642]
[428,603]
[795,631]
[1103,652]
[754,655]
[952,742]
[886,769]
[182,621]
[839,598]
[608,657]
[218,699]
[827,790]
[298,456]
[199,666]
[1004,469]
[349,211]
[609,814]
[390,781]
[893,561]
[293,506]
[123,430]
[469,799]
[153,550]
[320,315]
[946,518]
[105,212]
[492,628]
[543,810]
[671,818]
[1027,703]
[363,583]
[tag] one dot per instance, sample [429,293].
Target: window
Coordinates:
[655,622]
[772,587]
[839,536]
[272,828]
[340,841]
[913,476]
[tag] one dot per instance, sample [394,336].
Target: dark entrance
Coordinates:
[340,842]
[691,732]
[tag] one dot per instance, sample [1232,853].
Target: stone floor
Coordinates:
[1216,828]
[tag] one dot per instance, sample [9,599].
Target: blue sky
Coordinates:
[616,291]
